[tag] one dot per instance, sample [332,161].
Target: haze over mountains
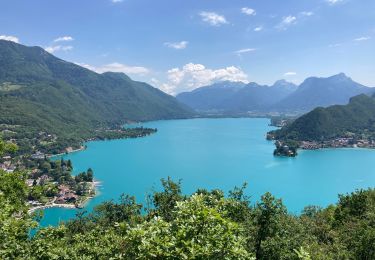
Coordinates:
[42,91]
[236,96]
[231,97]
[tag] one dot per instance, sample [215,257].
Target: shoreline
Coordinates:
[81,205]
[53,205]
[290,148]
[86,200]
[336,144]
[82,148]
[338,148]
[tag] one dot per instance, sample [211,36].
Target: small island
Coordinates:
[288,149]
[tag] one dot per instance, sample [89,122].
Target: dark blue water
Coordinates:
[219,153]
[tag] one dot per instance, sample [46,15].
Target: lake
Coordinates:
[219,153]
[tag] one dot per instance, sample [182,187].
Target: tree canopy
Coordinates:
[204,225]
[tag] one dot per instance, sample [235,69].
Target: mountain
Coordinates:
[321,92]
[236,97]
[41,91]
[232,97]
[210,97]
[357,117]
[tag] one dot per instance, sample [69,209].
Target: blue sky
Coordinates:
[180,45]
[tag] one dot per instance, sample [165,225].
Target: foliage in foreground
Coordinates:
[205,225]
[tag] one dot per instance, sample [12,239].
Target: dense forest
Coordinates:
[204,225]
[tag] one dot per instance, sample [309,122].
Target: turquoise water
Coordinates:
[219,153]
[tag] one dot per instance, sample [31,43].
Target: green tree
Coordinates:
[197,231]
[15,222]
[267,217]
[166,200]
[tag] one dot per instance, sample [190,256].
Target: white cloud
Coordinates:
[9,38]
[213,19]
[332,2]
[287,21]
[361,39]
[307,13]
[52,49]
[155,82]
[177,45]
[64,39]
[248,11]
[87,66]
[290,73]
[117,67]
[192,76]
[239,52]
[335,45]
[258,29]
[117,1]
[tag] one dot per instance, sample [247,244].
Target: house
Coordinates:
[43,179]
[29,182]
[38,155]
[60,200]
[34,203]
[10,169]
[68,197]
[7,163]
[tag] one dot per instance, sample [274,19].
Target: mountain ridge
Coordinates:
[282,96]
[235,96]
[322,92]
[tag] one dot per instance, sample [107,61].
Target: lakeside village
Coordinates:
[289,148]
[51,183]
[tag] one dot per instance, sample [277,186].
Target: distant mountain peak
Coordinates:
[340,76]
[281,82]
[319,91]
[253,84]
[228,84]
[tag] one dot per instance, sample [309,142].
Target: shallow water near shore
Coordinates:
[218,153]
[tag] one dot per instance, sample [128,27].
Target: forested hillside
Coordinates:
[43,93]
[355,119]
